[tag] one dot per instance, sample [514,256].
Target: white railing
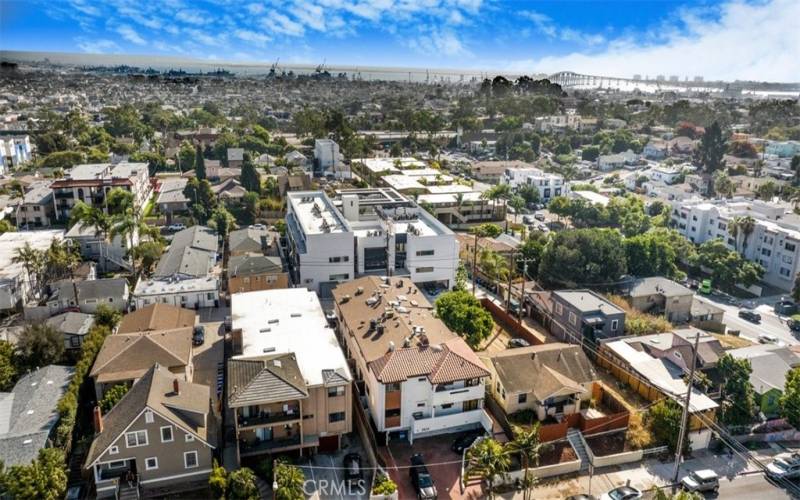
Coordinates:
[458,395]
[438,423]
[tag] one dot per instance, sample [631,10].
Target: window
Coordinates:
[190,459]
[785,272]
[393,412]
[614,325]
[422,379]
[447,406]
[113,450]
[424,269]
[148,417]
[151,463]
[118,464]
[210,296]
[188,438]
[136,438]
[790,247]
[572,318]
[308,416]
[74,341]
[339,277]
[766,251]
[339,259]
[522,398]
[336,417]
[393,387]
[424,253]
[473,382]
[421,405]
[336,391]
[559,309]
[166,434]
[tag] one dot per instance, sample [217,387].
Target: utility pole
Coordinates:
[685,416]
[522,295]
[474,261]
[510,277]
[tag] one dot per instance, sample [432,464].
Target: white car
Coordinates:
[622,493]
[701,480]
[178,226]
[785,466]
[766,338]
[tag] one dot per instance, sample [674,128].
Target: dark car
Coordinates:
[794,325]
[421,479]
[199,335]
[582,496]
[750,315]
[464,441]
[517,342]
[352,466]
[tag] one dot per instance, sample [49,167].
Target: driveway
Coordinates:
[442,463]
[325,475]
[208,358]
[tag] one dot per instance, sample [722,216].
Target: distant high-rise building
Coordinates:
[660,78]
[698,79]
[637,77]
[673,78]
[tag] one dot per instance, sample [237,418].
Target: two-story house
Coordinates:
[662,296]
[419,378]
[159,438]
[289,386]
[583,315]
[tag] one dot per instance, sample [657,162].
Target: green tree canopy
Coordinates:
[583,257]
[728,268]
[290,481]
[664,420]
[40,345]
[463,314]
[45,478]
[199,163]
[738,399]
[790,399]
[242,485]
[8,368]
[112,397]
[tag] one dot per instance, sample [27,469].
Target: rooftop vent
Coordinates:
[359,290]
[273,321]
[268,349]
[345,298]
[296,315]
[391,346]
[265,330]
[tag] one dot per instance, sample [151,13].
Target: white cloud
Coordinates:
[255,8]
[545,25]
[130,35]
[439,43]
[98,46]
[191,16]
[282,24]
[251,36]
[758,41]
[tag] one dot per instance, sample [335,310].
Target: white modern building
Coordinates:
[15,283]
[615,161]
[14,151]
[558,123]
[774,242]
[329,160]
[417,377]
[376,231]
[549,185]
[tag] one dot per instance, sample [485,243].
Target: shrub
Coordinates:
[383,485]
[638,435]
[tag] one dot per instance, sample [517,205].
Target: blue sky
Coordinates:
[728,39]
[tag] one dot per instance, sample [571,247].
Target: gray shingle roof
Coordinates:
[29,412]
[265,379]
[92,289]
[657,285]
[248,240]
[72,323]
[249,265]
[192,252]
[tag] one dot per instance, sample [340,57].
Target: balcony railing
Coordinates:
[269,418]
[253,447]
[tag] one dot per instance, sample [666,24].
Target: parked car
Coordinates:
[785,306]
[582,496]
[794,325]
[750,315]
[421,478]
[701,480]
[517,342]
[199,335]
[228,322]
[352,466]
[785,466]
[526,219]
[464,441]
[622,493]
[178,226]
[539,216]
[766,338]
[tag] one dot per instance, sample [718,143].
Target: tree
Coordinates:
[383,485]
[662,494]
[590,153]
[199,163]
[710,152]
[493,265]
[463,314]
[526,443]
[119,200]
[486,460]
[664,420]
[530,254]
[242,485]
[112,397]
[186,157]
[218,481]
[31,260]
[583,257]
[741,227]
[529,193]
[250,178]
[40,344]
[461,277]
[795,165]
[652,254]
[45,478]
[487,230]
[147,253]
[8,369]
[737,397]
[93,217]
[790,399]
[222,221]
[290,481]
[728,268]
[516,202]
[106,315]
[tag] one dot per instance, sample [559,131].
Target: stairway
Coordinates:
[575,439]
[127,492]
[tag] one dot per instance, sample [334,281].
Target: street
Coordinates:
[770,323]
[751,486]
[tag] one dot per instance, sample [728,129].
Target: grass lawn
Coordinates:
[732,341]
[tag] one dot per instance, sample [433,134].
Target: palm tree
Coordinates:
[517,202]
[494,265]
[31,259]
[95,218]
[744,227]
[794,198]
[526,443]
[487,459]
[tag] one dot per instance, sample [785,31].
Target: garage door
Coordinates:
[328,444]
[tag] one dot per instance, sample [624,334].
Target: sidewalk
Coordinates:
[647,474]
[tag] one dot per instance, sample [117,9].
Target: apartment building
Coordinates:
[91,183]
[14,151]
[36,209]
[418,378]
[374,232]
[558,123]
[289,385]
[774,242]
[329,160]
[548,185]
[15,282]
[583,315]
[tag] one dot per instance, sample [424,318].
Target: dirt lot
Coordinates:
[608,444]
[557,453]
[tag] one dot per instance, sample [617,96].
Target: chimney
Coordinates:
[98,420]
[176,387]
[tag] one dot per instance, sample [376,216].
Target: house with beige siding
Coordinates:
[288,384]
[158,438]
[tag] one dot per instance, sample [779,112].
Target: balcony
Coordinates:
[392,422]
[438,423]
[279,444]
[267,418]
[457,395]
[63,194]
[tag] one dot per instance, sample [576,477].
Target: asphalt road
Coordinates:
[753,486]
[770,322]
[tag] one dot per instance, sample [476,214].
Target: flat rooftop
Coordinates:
[10,242]
[288,320]
[165,287]
[587,301]
[316,214]
[377,165]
